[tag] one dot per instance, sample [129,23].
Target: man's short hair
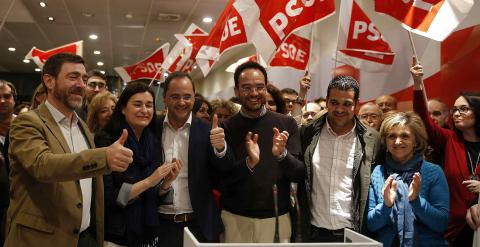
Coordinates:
[288,90]
[53,65]
[176,75]
[344,83]
[97,73]
[248,65]
[4,83]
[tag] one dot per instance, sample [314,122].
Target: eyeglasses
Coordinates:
[250,89]
[177,97]
[462,109]
[94,84]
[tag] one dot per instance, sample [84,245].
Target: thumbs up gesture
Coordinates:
[217,135]
[118,156]
[279,142]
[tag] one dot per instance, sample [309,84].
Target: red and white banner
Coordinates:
[227,33]
[232,67]
[182,56]
[360,43]
[434,19]
[269,22]
[39,57]
[294,52]
[149,68]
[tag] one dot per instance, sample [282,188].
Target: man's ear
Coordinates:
[49,81]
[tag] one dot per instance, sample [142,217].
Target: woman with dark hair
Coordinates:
[202,108]
[408,196]
[275,101]
[131,197]
[461,154]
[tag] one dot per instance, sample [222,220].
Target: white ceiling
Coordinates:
[122,41]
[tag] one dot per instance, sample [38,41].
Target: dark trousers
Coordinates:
[322,235]
[87,239]
[171,234]
[464,238]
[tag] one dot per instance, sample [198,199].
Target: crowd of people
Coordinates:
[82,167]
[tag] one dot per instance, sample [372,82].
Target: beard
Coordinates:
[66,97]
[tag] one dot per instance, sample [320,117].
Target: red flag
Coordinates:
[149,68]
[182,56]
[269,22]
[434,19]
[293,52]
[360,43]
[39,57]
[228,32]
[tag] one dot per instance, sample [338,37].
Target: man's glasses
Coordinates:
[176,97]
[94,84]
[250,89]
[372,116]
[462,109]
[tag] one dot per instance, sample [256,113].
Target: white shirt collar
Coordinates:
[58,116]
[329,128]
[186,124]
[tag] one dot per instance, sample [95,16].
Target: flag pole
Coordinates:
[155,76]
[10,7]
[416,57]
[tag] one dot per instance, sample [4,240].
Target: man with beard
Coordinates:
[56,174]
[338,153]
[267,145]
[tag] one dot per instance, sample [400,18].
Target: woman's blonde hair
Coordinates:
[94,107]
[405,119]
[39,90]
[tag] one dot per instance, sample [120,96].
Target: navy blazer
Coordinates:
[202,162]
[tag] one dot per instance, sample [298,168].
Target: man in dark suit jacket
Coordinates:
[56,193]
[201,148]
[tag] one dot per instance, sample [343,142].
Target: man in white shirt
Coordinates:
[338,152]
[56,173]
[202,149]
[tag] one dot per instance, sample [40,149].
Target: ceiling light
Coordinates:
[43,4]
[37,70]
[165,74]
[207,19]
[26,61]
[102,71]
[97,52]
[50,18]
[100,63]
[128,16]
[12,49]
[87,14]
[93,36]
[194,66]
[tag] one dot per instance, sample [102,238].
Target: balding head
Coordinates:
[309,112]
[386,103]
[371,115]
[438,112]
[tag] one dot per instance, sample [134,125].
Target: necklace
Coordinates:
[472,165]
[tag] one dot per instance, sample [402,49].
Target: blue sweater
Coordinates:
[430,208]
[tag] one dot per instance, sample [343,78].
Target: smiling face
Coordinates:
[464,117]
[179,99]
[139,111]
[67,90]
[270,103]
[341,109]
[104,113]
[7,101]
[400,141]
[251,91]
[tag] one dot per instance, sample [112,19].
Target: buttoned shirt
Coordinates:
[332,163]
[76,142]
[175,145]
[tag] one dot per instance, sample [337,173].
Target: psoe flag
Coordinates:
[149,68]
[435,19]
[39,57]
[294,52]
[269,22]
[360,43]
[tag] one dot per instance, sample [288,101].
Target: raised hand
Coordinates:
[279,142]
[305,85]
[118,156]
[217,135]
[414,188]
[417,71]
[253,150]
[472,185]
[473,217]
[389,191]
[159,173]
[177,165]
